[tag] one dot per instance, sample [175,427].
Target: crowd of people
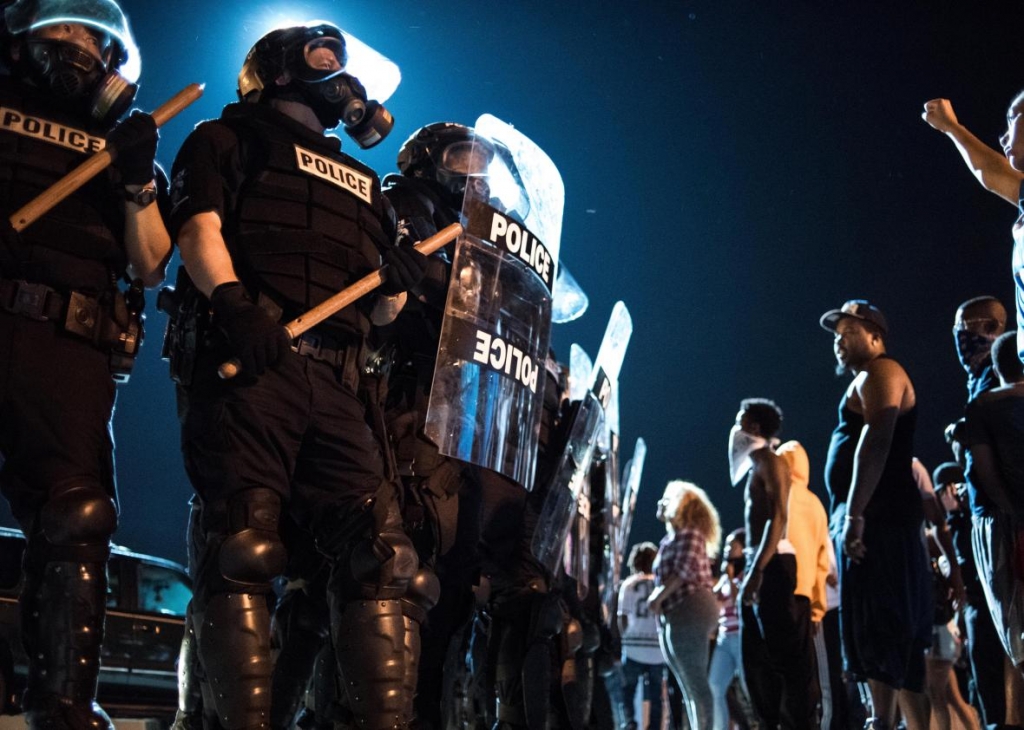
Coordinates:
[356,565]
[859,617]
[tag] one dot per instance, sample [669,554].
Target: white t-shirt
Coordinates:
[640,639]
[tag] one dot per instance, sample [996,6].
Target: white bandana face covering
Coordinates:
[741,446]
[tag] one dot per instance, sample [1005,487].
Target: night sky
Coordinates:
[732,170]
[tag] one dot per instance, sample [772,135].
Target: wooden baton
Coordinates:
[346,296]
[78,177]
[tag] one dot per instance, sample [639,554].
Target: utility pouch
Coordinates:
[113,323]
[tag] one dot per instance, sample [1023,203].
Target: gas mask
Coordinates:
[77,78]
[53,54]
[343,99]
[316,60]
[741,446]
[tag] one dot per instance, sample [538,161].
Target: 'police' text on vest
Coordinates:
[13,120]
[336,173]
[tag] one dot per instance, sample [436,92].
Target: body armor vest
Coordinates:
[79,243]
[308,219]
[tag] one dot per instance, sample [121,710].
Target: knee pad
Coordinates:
[252,556]
[423,593]
[381,561]
[384,565]
[79,514]
[241,549]
[573,639]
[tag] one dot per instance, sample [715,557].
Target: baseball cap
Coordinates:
[858,309]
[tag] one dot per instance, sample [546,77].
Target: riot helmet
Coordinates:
[314,62]
[449,154]
[46,50]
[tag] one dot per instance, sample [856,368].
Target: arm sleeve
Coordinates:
[207,166]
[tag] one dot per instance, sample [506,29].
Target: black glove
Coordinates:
[255,338]
[135,140]
[405,267]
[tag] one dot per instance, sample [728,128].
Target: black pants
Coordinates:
[987,663]
[56,399]
[778,650]
[297,429]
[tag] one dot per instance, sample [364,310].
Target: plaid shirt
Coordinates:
[684,554]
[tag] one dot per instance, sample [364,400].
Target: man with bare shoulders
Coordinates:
[775,623]
[886,599]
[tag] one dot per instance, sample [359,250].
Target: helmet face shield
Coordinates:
[466,157]
[103,16]
[324,58]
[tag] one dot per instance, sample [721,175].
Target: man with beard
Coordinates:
[885,582]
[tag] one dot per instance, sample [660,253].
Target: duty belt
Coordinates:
[343,355]
[35,301]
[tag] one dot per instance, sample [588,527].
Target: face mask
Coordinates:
[741,446]
[341,99]
[973,349]
[78,79]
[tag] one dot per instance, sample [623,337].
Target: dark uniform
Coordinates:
[301,220]
[473,524]
[66,332]
[441,499]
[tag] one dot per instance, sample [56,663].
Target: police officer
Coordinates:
[271,218]
[475,525]
[66,331]
[442,502]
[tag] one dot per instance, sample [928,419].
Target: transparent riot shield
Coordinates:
[611,553]
[577,551]
[488,388]
[569,301]
[581,372]
[559,506]
[631,479]
[567,484]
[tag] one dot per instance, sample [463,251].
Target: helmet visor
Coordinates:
[103,16]
[466,157]
[324,59]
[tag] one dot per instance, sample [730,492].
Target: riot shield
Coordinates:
[581,372]
[631,478]
[488,387]
[566,486]
[569,301]
[611,552]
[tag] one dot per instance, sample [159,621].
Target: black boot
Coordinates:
[63,609]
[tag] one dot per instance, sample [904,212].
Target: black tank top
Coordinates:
[896,498]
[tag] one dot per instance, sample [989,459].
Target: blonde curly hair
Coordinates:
[688,506]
